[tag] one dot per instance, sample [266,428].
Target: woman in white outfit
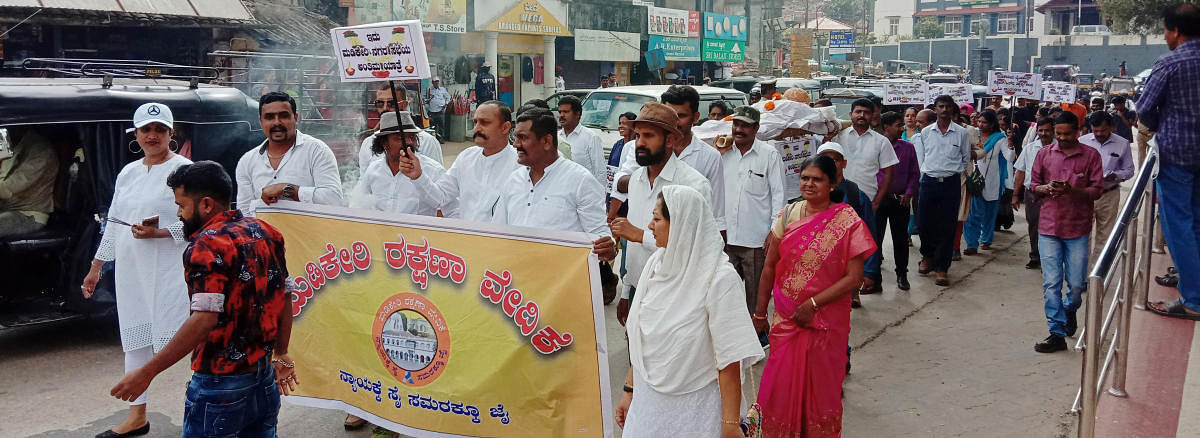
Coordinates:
[144,236]
[689,334]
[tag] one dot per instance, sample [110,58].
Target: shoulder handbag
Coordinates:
[978,180]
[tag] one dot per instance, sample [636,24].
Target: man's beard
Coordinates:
[650,158]
[191,224]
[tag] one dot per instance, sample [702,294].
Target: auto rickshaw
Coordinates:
[85,118]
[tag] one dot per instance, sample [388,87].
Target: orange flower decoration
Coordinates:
[728,118]
[770,105]
[776,96]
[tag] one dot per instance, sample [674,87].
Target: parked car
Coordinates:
[604,107]
[1091,29]
[941,78]
[85,121]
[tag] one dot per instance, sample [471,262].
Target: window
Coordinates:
[1007,23]
[893,25]
[953,26]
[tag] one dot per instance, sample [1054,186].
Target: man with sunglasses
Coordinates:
[428,145]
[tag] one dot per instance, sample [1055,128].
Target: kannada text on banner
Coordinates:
[1014,84]
[1061,92]
[381,51]
[435,327]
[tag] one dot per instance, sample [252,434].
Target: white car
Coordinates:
[603,108]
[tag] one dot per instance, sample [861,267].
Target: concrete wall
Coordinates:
[1093,54]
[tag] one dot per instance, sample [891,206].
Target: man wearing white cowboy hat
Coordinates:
[396,183]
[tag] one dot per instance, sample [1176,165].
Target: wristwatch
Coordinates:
[289,192]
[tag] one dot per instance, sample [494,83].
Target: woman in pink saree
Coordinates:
[815,256]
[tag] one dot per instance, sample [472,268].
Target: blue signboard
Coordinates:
[724,27]
[675,48]
[841,42]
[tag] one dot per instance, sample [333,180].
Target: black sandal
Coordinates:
[1170,279]
[1174,309]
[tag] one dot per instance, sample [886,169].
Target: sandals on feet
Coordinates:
[1170,279]
[1173,309]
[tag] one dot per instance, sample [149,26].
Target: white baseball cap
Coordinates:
[832,146]
[152,112]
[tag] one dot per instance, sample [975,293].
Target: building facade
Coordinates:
[966,17]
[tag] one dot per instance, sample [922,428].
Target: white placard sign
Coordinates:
[1062,92]
[380,51]
[905,93]
[960,92]
[604,45]
[1014,84]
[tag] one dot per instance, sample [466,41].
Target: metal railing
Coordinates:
[1125,261]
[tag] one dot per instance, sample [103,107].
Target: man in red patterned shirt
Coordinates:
[241,318]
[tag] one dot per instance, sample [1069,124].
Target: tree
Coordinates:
[846,11]
[927,27]
[1135,16]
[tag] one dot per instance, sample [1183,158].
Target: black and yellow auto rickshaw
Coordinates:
[84,119]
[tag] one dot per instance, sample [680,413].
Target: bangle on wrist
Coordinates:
[628,389]
[813,301]
[285,363]
[759,317]
[733,422]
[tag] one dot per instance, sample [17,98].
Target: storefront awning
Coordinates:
[1054,5]
[192,13]
[826,24]
[970,11]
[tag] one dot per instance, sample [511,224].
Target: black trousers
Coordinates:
[891,212]
[1033,209]
[938,216]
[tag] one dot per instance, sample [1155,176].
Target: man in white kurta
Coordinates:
[288,164]
[549,192]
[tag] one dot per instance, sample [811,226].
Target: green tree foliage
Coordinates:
[927,27]
[847,11]
[1135,16]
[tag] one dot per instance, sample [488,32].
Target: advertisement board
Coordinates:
[605,45]
[841,42]
[668,22]
[723,51]
[725,27]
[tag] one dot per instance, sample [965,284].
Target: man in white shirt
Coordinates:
[1023,175]
[559,83]
[691,150]
[656,127]
[288,165]
[868,154]
[393,184]
[753,196]
[436,99]
[428,145]
[549,192]
[586,147]
[474,182]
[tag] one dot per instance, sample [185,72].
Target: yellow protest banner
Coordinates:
[440,327]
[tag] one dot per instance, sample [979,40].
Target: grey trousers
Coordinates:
[749,265]
[14,224]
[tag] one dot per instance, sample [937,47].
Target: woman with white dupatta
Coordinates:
[689,334]
[145,238]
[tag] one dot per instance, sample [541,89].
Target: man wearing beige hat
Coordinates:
[657,128]
[753,196]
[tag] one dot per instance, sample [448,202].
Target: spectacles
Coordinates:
[385,103]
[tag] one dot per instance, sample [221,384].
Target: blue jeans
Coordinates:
[981,224]
[244,405]
[874,264]
[1179,199]
[1062,258]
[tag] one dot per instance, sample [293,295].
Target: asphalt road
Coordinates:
[932,361]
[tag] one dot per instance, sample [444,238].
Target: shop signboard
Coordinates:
[672,22]
[531,17]
[723,51]
[604,45]
[380,51]
[725,27]
[674,48]
[841,42]
[443,16]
